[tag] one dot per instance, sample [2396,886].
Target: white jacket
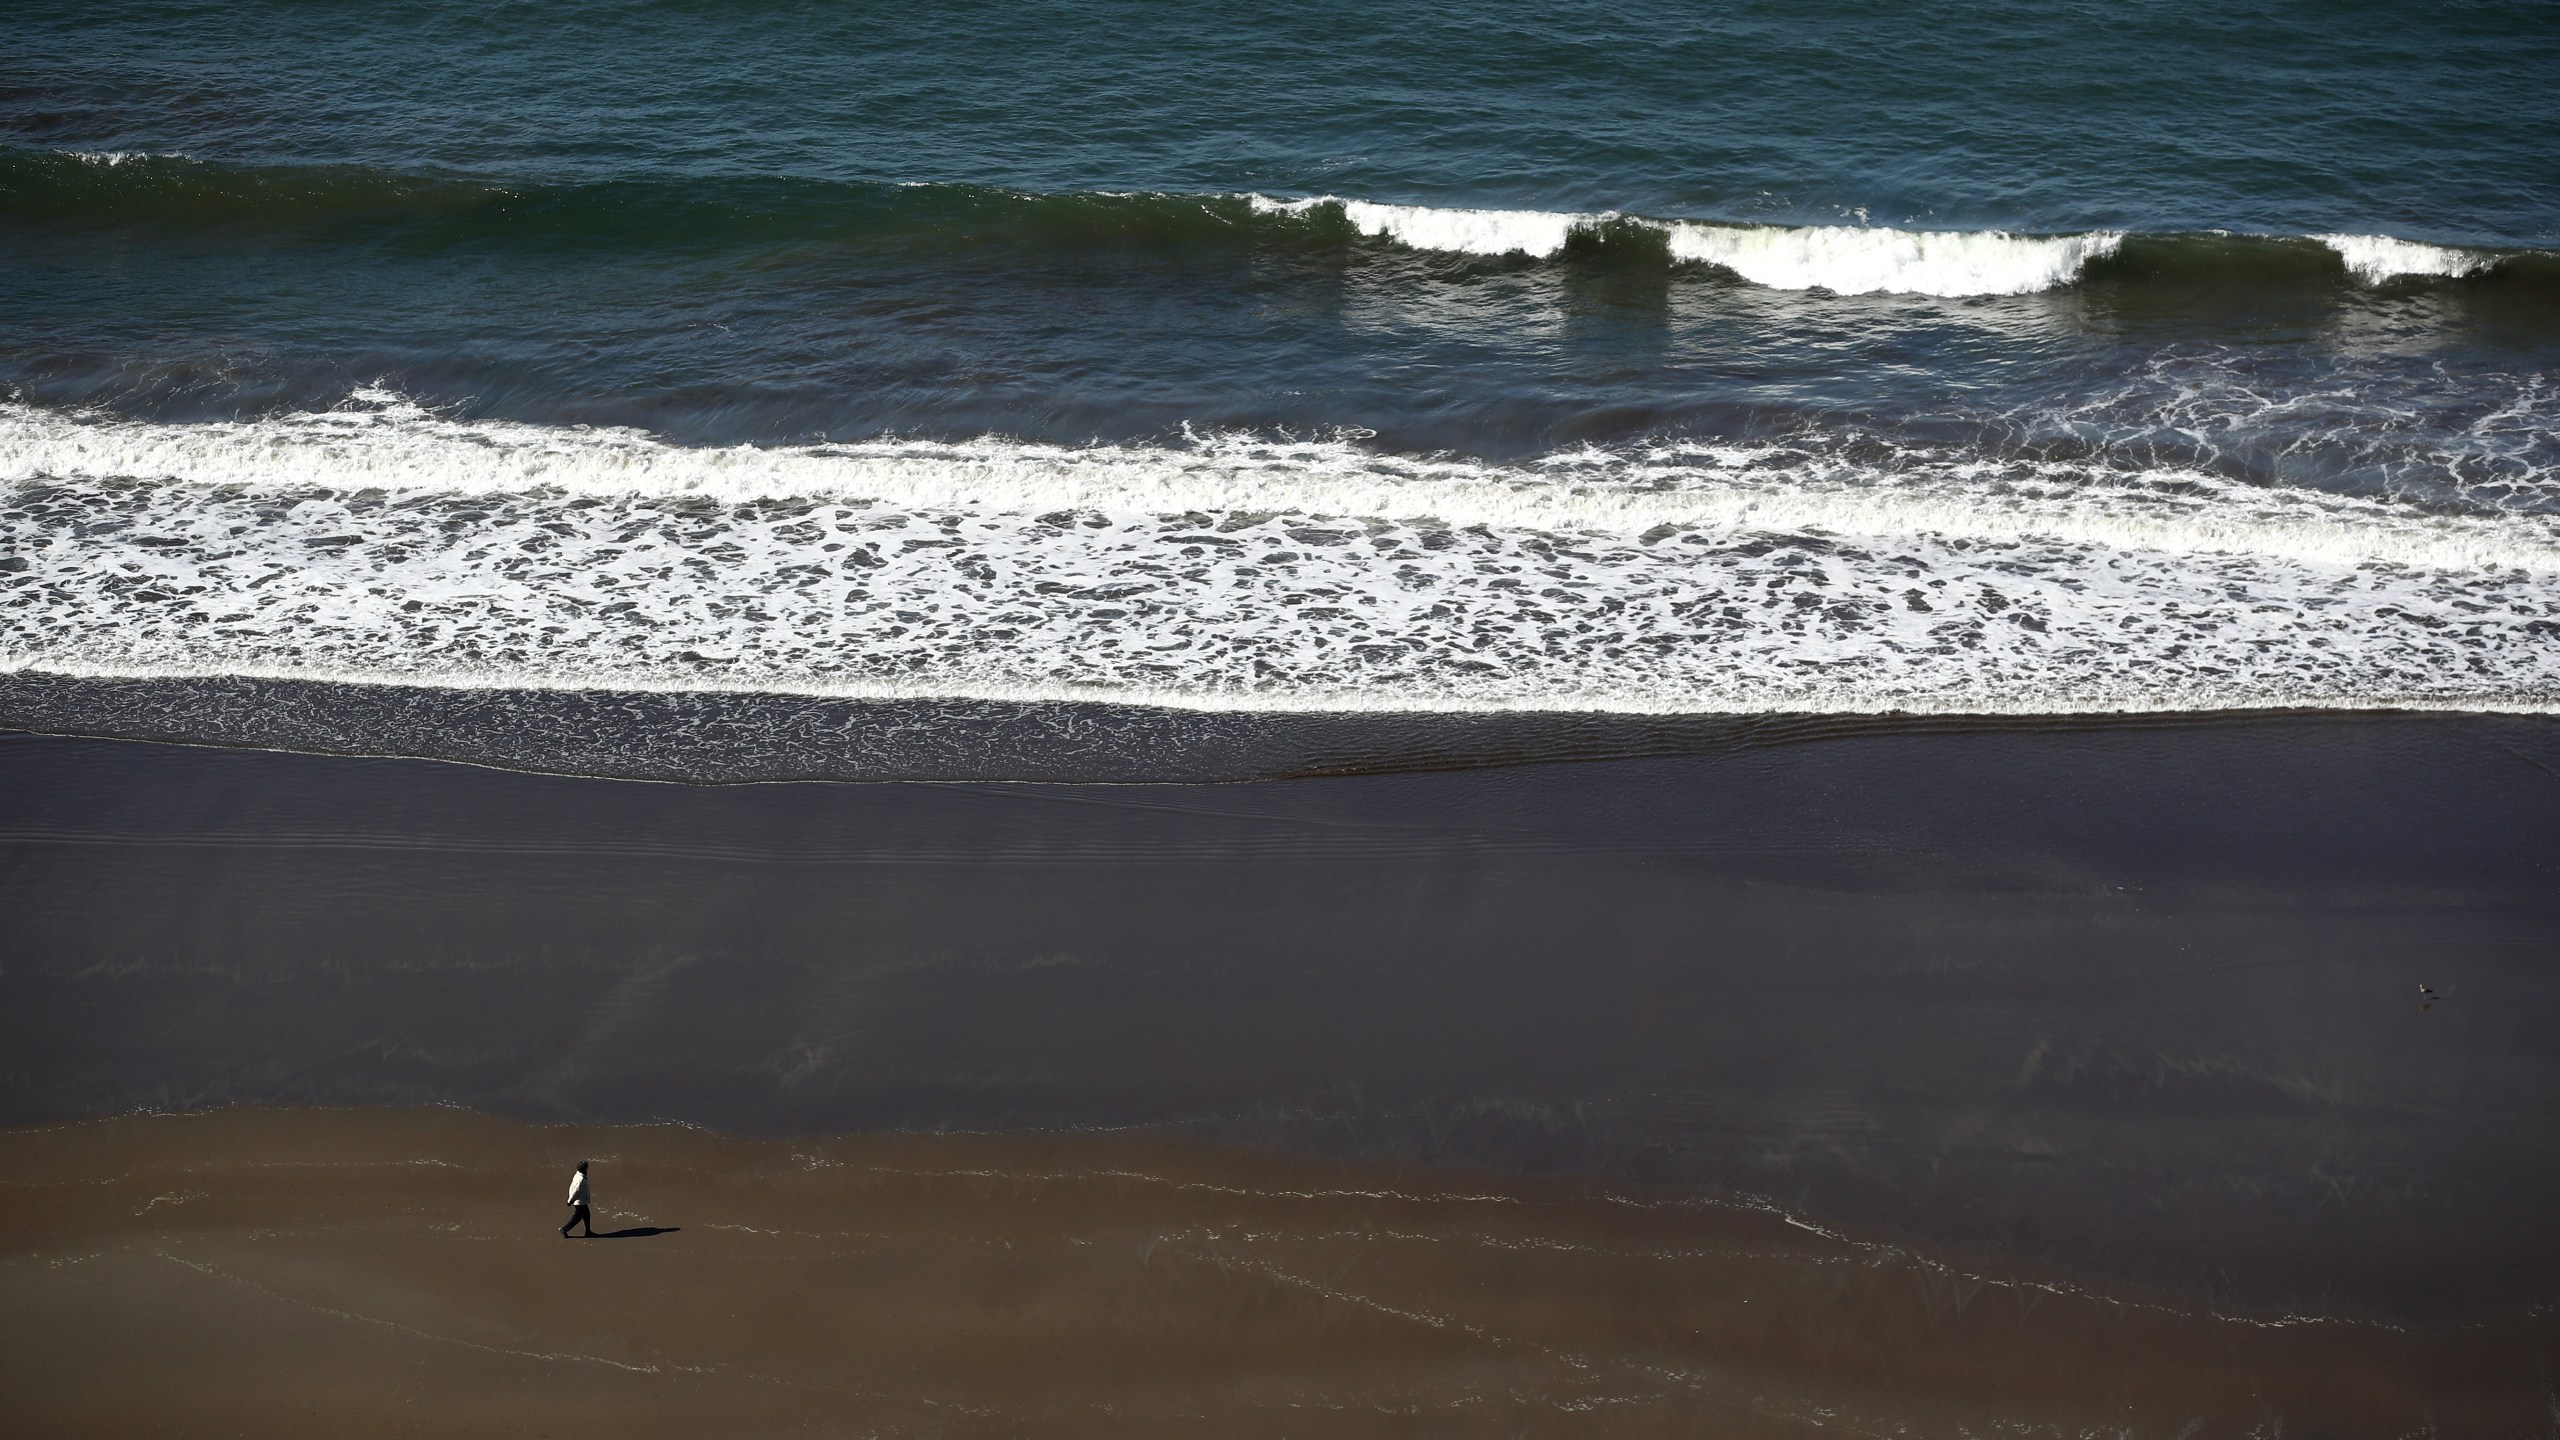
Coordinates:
[578,1193]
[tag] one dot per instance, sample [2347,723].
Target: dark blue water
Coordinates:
[2215,258]
[548,208]
[2434,122]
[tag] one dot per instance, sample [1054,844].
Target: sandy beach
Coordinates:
[1893,1082]
[396,1272]
[2139,1002]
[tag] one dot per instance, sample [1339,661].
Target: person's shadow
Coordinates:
[638,1232]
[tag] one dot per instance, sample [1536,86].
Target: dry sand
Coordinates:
[286,1273]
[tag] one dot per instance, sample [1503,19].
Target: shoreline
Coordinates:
[721,736]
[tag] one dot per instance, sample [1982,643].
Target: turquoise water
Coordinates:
[2256,305]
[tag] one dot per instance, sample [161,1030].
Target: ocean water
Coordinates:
[1634,357]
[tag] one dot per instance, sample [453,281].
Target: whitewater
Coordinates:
[381,542]
[1844,259]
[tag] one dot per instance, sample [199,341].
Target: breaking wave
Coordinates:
[1844,259]
[1863,261]
[2377,258]
[383,542]
[203,201]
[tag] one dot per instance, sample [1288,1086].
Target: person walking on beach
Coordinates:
[581,1201]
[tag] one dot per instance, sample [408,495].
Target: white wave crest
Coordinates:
[386,542]
[1457,231]
[1844,259]
[1862,260]
[2377,258]
[1467,232]
[113,158]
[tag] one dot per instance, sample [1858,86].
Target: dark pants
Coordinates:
[579,1217]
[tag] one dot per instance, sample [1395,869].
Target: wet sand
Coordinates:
[287,1273]
[2139,1004]
[2136,1003]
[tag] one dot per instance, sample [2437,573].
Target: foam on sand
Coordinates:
[385,543]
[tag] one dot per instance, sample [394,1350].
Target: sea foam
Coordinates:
[1845,259]
[2377,258]
[1842,259]
[1859,260]
[383,542]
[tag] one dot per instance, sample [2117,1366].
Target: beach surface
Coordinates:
[288,1273]
[2139,1002]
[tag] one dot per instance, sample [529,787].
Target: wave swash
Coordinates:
[381,542]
